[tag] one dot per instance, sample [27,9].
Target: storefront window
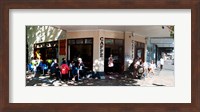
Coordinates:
[48,45]
[139,50]
[46,50]
[109,41]
[119,42]
[81,48]
[116,48]
[79,41]
[88,41]
[71,41]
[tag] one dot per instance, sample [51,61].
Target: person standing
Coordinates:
[151,68]
[161,63]
[111,64]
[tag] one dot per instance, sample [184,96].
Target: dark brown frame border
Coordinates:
[5,106]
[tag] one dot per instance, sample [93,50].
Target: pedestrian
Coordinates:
[151,68]
[64,70]
[161,63]
[111,64]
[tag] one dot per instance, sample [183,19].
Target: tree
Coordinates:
[39,34]
[171,29]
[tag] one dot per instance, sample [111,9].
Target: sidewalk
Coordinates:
[165,77]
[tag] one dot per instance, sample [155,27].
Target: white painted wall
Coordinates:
[129,50]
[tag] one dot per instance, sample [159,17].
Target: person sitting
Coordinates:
[64,71]
[64,61]
[55,70]
[81,69]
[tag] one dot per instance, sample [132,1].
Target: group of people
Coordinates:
[74,70]
[59,71]
[140,68]
[37,67]
[148,68]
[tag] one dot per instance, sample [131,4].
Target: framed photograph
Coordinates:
[107,55]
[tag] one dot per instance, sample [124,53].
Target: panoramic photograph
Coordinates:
[100,55]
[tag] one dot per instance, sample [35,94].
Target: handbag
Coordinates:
[110,64]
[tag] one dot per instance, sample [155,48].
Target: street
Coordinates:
[165,77]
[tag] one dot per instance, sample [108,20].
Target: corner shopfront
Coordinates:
[95,46]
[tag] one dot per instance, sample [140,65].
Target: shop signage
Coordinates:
[133,47]
[101,47]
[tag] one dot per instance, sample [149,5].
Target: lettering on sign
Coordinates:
[101,47]
[133,46]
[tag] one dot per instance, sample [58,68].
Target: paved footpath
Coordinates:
[165,77]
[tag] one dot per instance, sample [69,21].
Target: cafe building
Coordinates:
[94,44]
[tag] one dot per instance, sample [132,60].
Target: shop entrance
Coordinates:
[82,48]
[46,50]
[116,48]
[139,50]
[139,53]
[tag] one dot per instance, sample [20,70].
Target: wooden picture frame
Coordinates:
[5,106]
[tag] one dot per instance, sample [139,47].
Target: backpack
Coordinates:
[64,69]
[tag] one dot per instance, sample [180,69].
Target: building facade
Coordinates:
[95,46]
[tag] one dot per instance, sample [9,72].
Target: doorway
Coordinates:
[140,53]
[139,50]
[82,48]
[116,48]
[46,50]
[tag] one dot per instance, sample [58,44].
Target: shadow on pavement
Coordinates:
[110,80]
[157,84]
